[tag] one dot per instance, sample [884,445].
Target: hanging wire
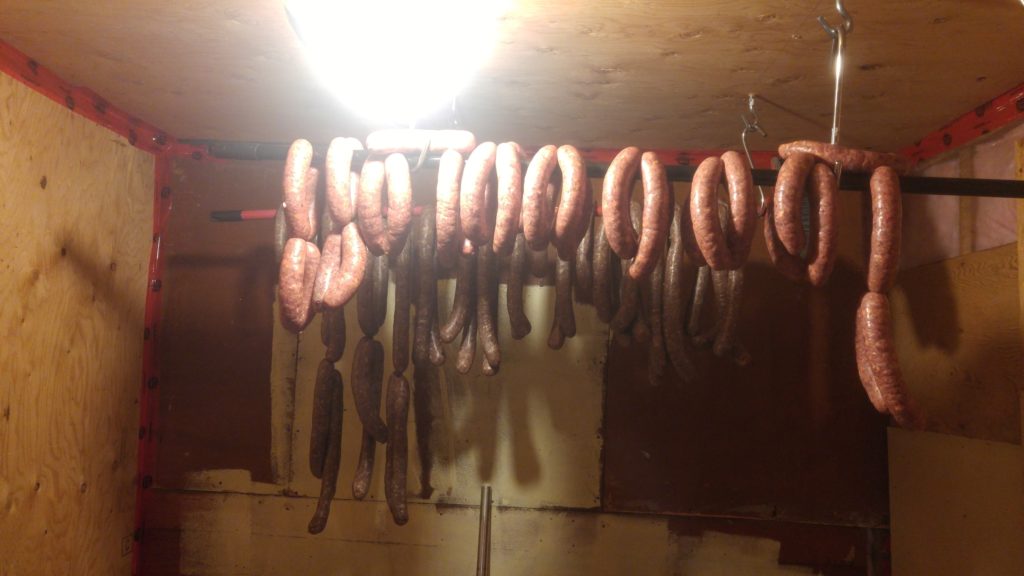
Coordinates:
[750,126]
[838,35]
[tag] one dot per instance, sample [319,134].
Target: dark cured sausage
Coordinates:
[296,278]
[467,349]
[657,212]
[851,159]
[397,456]
[487,305]
[700,295]
[363,476]
[875,321]
[726,345]
[320,422]
[509,169]
[603,263]
[368,295]
[367,372]
[789,193]
[332,460]
[280,234]
[536,215]
[655,315]
[629,291]
[886,218]
[380,290]
[473,213]
[413,141]
[615,204]
[564,319]
[426,291]
[462,303]
[570,216]
[792,267]
[673,303]
[332,333]
[400,321]
[517,319]
[354,256]
[342,182]
[583,273]
[300,191]
[449,177]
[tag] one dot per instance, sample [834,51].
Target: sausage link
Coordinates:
[328,269]
[363,476]
[396,169]
[397,455]
[615,204]
[280,234]
[467,349]
[536,215]
[689,240]
[352,270]
[332,332]
[741,227]
[602,273]
[538,260]
[852,160]
[380,290]
[656,353]
[300,190]
[583,279]
[564,313]
[517,319]
[886,218]
[487,305]
[413,141]
[673,308]
[426,297]
[296,278]
[332,460]
[342,181]
[883,363]
[465,281]
[704,209]
[369,212]
[629,290]
[365,307]
[400,318]
[867,378]
[509,169]
[367,373]
[821,252]
[320,422]
[725,345]
[788,203]
[556,338]
[449,176]
[569,218]
[657,210]
[640,330]
[473,195]
[437,355]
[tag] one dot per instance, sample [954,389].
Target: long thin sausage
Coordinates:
[742,225]
[369,211]
[426,299]
[332,460]
[487,305]
[465,281]
[704,209]
[367,372]
[569,218]
[883,362]
[332,332]
[396,169]
[397,455]
[787,206]
[342,181]
[401,317]
[701,287]
[673,303]
[852,160]
[467,349]
[517,319]
[583,279]
[320,422]
[509,169]
[603,263]
[300,190]
[656,354]
[821,253]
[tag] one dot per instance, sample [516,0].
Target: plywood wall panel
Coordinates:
[76,201]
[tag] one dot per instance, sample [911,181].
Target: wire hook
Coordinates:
[847,21]
[749,127]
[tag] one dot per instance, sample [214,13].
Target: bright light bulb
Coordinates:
[395,61]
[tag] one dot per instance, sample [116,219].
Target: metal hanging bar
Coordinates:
[973,187]
[483,548]
[838,35]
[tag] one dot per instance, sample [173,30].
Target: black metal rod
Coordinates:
[977,187]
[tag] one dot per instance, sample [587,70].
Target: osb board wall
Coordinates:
[77,206]
[217,305]
[595,73]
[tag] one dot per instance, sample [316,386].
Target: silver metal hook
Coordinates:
[847,20]
[749,127]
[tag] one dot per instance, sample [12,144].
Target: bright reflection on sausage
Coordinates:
[396,61]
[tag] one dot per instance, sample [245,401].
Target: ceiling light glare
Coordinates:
[395,61]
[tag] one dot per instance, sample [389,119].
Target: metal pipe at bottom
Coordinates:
[483,550]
